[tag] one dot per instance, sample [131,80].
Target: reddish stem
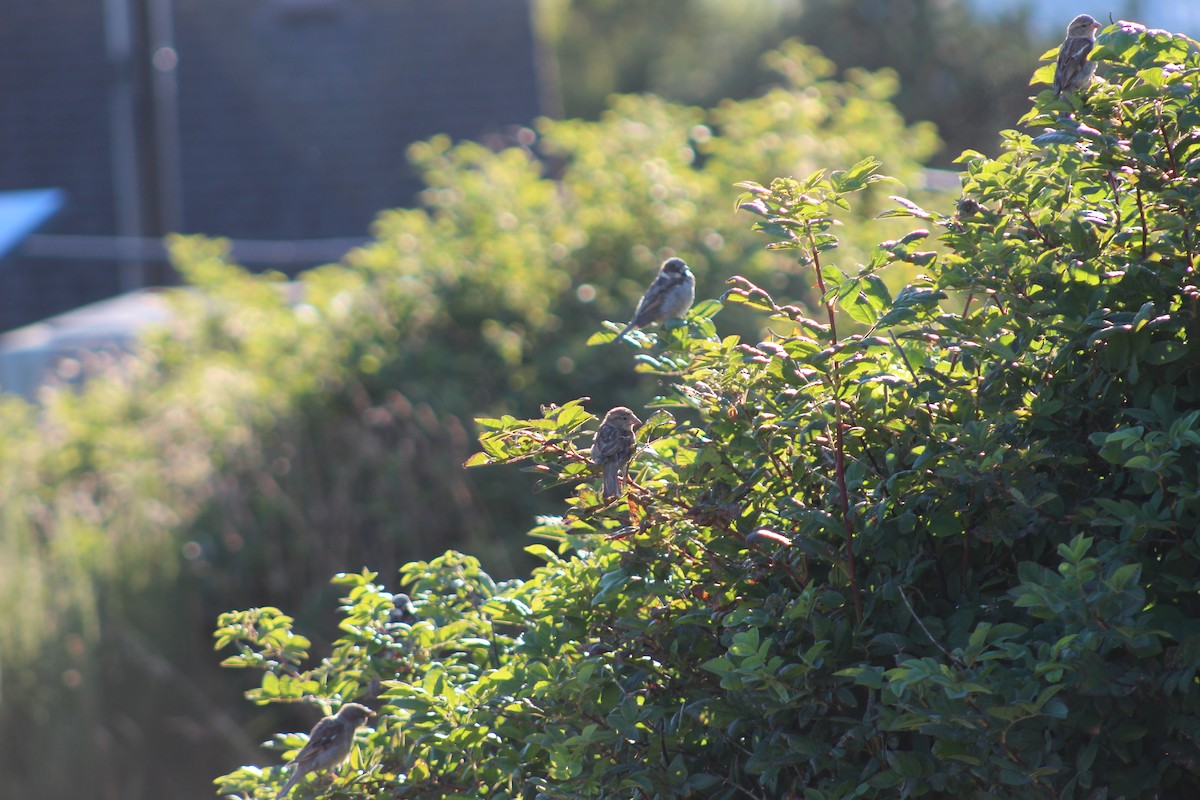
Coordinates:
[1187,239]
[839,453]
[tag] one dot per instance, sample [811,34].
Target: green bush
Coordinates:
[949,553]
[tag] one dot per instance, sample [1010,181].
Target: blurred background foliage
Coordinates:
[964,70]
[273,434]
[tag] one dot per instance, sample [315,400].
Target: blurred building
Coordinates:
[280,122]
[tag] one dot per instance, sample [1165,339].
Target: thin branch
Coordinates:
[929,635]
[839,453]
[1142,215]
[1187,239]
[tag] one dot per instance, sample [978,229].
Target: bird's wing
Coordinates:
[606,444]
[649,308]
[1071,56]
[324,735]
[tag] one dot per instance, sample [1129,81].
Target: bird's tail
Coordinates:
[291,781]
[612,481]
[621,335]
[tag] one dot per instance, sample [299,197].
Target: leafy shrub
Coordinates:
[952,553]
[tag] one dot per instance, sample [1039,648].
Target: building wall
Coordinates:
[319,99]
[293,117]
[54,132]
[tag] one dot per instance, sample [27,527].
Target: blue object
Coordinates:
[23,212]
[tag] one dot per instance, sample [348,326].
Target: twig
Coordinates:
[1162,128]
[1142,215]
[921,624]
[839,454]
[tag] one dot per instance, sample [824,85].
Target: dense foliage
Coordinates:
[271,433]
[951,553]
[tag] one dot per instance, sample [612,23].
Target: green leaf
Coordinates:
[907,209]
[478,460]
[860,308]
[706,309]
[911,304]
[1044,74]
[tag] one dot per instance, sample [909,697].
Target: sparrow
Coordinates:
[328,743]
[613,447]
[669,296]
[403,611]
[1074,70]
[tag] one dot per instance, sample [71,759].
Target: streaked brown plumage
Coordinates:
[328,744]
[669,296]
[613,447]
[1074,70]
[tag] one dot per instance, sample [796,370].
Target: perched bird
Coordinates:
[328,744]
[1074,70]
[613,447]
[403,611]
[669,296]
